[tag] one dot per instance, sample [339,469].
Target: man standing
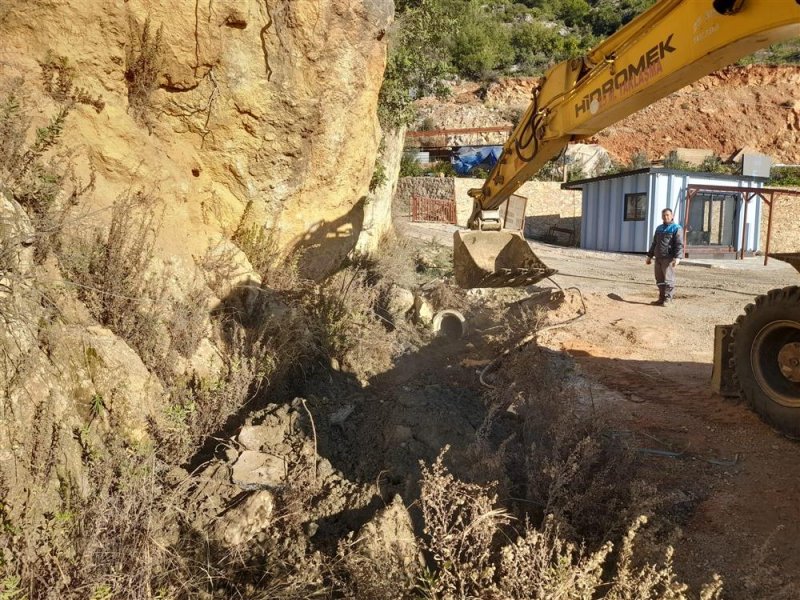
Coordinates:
[667,249]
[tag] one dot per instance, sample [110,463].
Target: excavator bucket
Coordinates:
[495,259]
[793,258]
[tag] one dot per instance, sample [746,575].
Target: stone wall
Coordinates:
[428,187]
[548,205]
[785,235]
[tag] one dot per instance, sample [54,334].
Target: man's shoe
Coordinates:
[666,302]
[657,303]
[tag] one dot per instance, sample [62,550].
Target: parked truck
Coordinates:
[670,45]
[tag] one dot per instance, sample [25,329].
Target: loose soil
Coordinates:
[650,368]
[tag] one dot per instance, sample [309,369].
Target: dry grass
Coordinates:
[569,467]
[475,554]
[111,272]
[260,243]
[143,64]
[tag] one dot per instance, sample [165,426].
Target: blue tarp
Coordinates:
[467,158]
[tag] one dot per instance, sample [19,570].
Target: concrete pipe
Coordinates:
[450,324]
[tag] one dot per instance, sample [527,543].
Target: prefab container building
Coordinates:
[620,212]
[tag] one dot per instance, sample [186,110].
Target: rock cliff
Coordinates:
[212,110]
[257,101]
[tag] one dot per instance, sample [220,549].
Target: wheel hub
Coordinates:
[789,361]
[775,359]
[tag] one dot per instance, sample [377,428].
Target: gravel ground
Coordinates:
[651,368]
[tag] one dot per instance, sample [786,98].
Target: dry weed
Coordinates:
[461,522]
[360,576]
[540,564]
[571,468]
[199,407]
[30,173]
[476,555]
[393,261]
[112,275]
[260,243]
[143,64]
[58,82]
[344,322]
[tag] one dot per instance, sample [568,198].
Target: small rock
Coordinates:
[231,454]
[340,416]
[258,471]
[246,520]
[399,301]
[175,476]
[253,437]
[324,468]
[402,433]
[423,311]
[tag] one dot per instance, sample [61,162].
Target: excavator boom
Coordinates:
[670,45]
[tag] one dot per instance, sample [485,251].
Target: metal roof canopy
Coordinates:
[748,194]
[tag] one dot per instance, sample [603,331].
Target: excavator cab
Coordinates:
[489,256]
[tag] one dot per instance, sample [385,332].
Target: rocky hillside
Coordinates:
[214,105]
[754,106]
[153,155]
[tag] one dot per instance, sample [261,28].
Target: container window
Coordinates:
[635,206]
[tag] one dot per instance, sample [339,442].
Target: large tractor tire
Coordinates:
[766,358]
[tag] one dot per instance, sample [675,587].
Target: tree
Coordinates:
[418,61]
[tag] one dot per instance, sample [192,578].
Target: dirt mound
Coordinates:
[752,106]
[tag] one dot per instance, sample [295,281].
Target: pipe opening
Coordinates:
[450,324]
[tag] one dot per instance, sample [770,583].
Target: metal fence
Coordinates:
[432,210]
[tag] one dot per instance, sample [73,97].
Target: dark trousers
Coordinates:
[665,278]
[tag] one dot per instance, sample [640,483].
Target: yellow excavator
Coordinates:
[670,45]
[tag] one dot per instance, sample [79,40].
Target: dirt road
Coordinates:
[652,366]
[741,479]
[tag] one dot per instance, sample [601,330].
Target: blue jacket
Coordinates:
[667,242]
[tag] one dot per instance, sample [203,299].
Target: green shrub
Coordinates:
[58,81]
[442,168]
[481,46]
[638,160]
[537,46]
[418,62]
[409,167]
[379,176]
[714,164]
[785,176]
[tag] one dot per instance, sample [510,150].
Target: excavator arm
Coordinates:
[670,45]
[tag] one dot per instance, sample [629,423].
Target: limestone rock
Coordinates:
[258,471]
[252,105]
[389,538]
[16,238]
[423,310]
[102,368]
[399,302]
[255,437]
[245,520]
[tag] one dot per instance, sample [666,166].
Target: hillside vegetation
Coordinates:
[479,40]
